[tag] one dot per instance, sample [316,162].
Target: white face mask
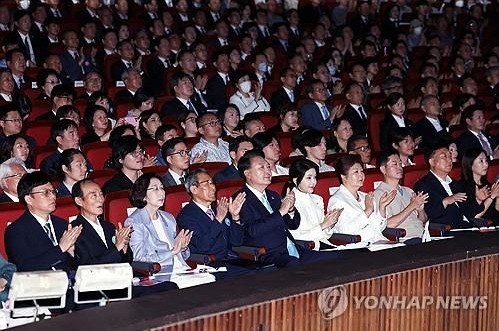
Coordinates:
[460,3]
[24,4]
[245,86]
[418,30]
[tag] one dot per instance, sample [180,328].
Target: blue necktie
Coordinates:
[325,112]
[292,251]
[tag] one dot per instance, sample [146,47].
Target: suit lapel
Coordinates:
[436,183]
[144,218]
[88,228]
[256,202]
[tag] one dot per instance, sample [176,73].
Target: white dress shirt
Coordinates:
[280,171]
[311,209]
[435,123]
[399,120]
[42,223]
[353,220]
[98,228]
[250,104]
[175,176]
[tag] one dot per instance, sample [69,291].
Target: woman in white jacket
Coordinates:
[360,216]
[314,225]
[245,100]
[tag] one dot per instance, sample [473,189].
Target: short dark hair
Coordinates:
[221,112]
[469,156]
[383,157]
[139,189]
[234,143]
[141,95]
[344,164]
[28,182]
[398,134]
[65,159]
[123,146]
[43,75]
[162,129]
[310,86]
[297,171]
[352,140]
[77,191]
[177,77]
[430,150]
[58,128]
[63,111]
[469,111]
[88,116]
[310,138]
[61,90]
[169,147]
[5,110]
[245,161]
[263,139]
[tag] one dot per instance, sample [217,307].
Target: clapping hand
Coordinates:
[385,200]
[123,237]
[331,218]
[418,200]
[458,197]
[287,204]
[369,202]
[200,157]
[69,237]
[482,194]
[222,209]
[182,241]
[236,205]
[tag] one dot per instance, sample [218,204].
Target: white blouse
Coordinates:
[311,209]
[353,220]
[249,105]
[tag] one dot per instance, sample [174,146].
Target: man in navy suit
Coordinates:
[216,86]
[237,147]
[126,52]
[432,127]
[74,65]
[447,203]
[38,240]
[356,112]
[176,155]
[31,46]
[11,171]
[316,113]
[267,218]
[475,136]
[183,87]
[286,94]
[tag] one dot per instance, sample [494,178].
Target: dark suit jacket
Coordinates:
[29,247]
[278,99]
[90,249]
[168,179]
[453,214]
[72,70]
[311,116]
[62,191]
[210,237]
[427,131]
[386,126]
[118,182]
[176,108]
[123,95]
[48,116]
[49,163]
[36,43]
[229,172]
[264,229]
[117,68]
[468,140]
[156,72]
[359,126]
[4,198]
[215,92]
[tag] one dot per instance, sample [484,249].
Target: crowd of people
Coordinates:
[265,89]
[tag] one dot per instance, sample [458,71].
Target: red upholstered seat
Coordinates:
[211,167]
[41,152]
[39,130]
[116,207]
[65,208]
[229,187]
[325,181]
[102,176]
[97,153]
[372,176]
[413,173]
[176,198]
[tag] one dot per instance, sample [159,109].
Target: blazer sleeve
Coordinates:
[434,207]
[204,238]
[257,225]
[83,250]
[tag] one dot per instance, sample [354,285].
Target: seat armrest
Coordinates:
[438,229]
[306,244]
[394,234]
[202,258]
[481,222]
[339,239]
[249,252]
[145,269]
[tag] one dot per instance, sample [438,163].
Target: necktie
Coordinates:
[57,13]
[129,65]
[362,113]
[28,49]
[291,96]
[48,230]
[267,33]
[210,214]
[325,112]
[191,106]
[485,145]
[166,63]
[76,56]
[182,180]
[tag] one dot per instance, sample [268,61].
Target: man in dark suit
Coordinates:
[133,82]
[475,136]
[356,112]
[447,203]
[176,155]
[16,62]
[23,37]
[361,22]
[109,40]
[61,95]
[126,52]
[109,245]
[157,66]
[216,86]
[267,218]
[237,147]
[184,102]
[286,94]
[38,240]
[316,113]
[74,65]
[432,128]
[11,171]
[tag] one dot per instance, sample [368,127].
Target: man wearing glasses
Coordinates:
[10,172]
[11,123]
[176,155]
[61,95]
[211,130]
[360,145]
[38,240]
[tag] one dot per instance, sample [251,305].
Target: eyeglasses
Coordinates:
[16,176]
[182,153]
[209,181]
[190,119]
[46,193]
[137,153]
[15,120]
[211,123]
[362,148]
[156,188]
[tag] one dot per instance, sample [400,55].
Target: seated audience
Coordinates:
[61,95]
[447,201]
[245,100]
[360,215]
[356,111]
[432,127]
[96,125]
[11,123]
[402,140]
[406,211]
[149,122]
[186,100]
[253,126]
[45,81]
[176,154]
[285,95]
[128,158]
[164,133]
[230,118]
[394,118]
[237,147]
[71,167]
[155,238]
[17,146]
[269,145]
[11,172]
[288,120]
[359,145]
[210,130]
[342,131]
[313,146]
[69,112]
[188,124]
[475,136]
[314,225]
[315,113]
[38,240]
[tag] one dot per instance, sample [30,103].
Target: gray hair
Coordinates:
[192,179]
[6,169]
[125,74]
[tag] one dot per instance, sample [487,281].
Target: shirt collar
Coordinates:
[203,208]
[258,194]
[41,220]
[445,181]
[12,197]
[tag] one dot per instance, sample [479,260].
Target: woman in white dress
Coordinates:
[154,237]
[314,225]
[360,216]
[245,100]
